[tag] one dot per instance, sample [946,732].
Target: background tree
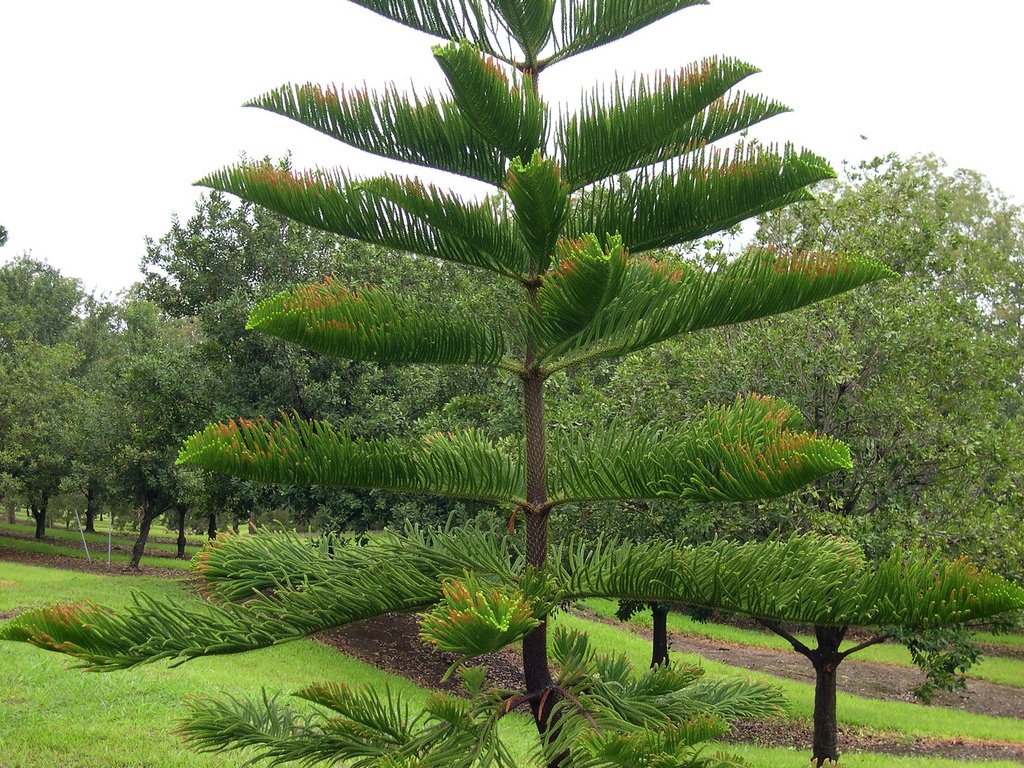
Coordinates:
[163,393]
[581,293]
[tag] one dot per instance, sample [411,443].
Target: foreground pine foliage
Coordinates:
[574,202]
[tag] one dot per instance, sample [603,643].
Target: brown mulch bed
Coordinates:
[392,643]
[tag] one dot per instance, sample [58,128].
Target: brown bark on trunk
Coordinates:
[182,512]
[90,510]
[211,526]
[659,622]
[826,660]
[39,515]
[149,514]
[11,513]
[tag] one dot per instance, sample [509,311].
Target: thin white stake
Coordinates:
[110,529]
[82,534]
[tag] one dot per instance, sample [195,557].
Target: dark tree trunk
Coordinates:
[90,510]
[11,513]
[182,512]
[659,621]
[39,515]
[40,510]
[826,660]
[149,513]
[211,526]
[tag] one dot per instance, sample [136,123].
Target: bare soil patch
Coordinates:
[392,643]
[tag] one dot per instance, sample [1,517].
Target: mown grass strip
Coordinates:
[120,558]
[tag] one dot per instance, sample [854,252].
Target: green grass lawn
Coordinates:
[98,556]
[994,669]
[51,715]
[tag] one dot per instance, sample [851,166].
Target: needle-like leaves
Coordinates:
[370,324]
[400,214]
[424,131]
[539,198]
[297,452]
[710,192]
[658,118]
[605,304]
[805,579]
[502,107]
[748,451]
[588,24]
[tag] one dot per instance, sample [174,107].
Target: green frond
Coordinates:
[383,713]
[657,119]
[528,22]
[370,324]
[475,617]
[588,24]
[424,131]
[747,451]
[500,105]
[238,567]
[472,20]
[705,194]
[539,198]
[921,590]
[805,579]
[607,303]
[405,215]
[296,452]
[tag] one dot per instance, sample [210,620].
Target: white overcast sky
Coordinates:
[110,110]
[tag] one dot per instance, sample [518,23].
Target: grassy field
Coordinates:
[991,668]
[50,716]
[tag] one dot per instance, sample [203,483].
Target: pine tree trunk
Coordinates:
[826,661]
[90,510]
[211,526]
[182,512]
[659,620]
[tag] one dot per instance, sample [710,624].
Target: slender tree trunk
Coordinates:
[826,660]
[11,512]
[211,526]
[182,512]
[149,514]
[40,510]
[659,620]
[90,509]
